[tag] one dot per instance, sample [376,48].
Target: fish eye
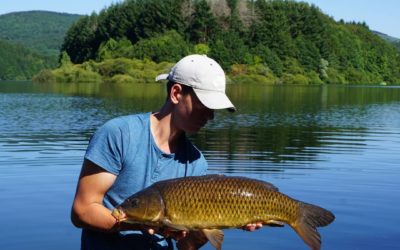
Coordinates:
[134,202]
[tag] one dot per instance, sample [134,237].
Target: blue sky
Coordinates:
[380,15]
[68,6]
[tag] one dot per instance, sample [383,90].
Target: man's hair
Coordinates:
[185,89]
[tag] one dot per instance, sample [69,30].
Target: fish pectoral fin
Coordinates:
[274,223]
[215,236]
[169,224]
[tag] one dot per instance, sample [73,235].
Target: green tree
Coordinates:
[288,37]
[115,49]
[118,21]
[80,42]
[19,63]
[169,46]
[201,49]
[235,23]
[159,16]
[272,28]
[270,58]
[307,53]
[40,31]
[229,48]
[65,59]
[202,25]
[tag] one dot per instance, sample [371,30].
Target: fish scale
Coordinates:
[212,202]
[223,202]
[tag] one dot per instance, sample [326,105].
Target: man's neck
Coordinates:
[166,136]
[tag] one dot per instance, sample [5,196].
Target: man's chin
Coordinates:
[193,130]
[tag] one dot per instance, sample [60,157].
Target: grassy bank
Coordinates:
[124,70]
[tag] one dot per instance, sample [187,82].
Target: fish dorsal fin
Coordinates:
[215,236]
[270,186]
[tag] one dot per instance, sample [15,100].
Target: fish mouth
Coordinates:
[118,214]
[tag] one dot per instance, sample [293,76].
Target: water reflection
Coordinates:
[277,127]
[335,146]
[276,148]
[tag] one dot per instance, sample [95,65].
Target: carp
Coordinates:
[213,202]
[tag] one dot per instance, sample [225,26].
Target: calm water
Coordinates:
[338,147]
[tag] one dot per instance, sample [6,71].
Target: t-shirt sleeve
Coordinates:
[105,147]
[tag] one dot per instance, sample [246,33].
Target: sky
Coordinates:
[379,15]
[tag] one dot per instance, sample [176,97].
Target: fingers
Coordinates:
[176,235]
[179,235]
[253,226]
[167,232]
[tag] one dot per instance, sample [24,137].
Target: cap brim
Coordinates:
[214,100]
[162,77]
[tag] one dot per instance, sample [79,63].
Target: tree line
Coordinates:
[280,41]
[20,63]
[30,41]
[40,31]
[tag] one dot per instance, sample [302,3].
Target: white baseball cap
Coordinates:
[205,76]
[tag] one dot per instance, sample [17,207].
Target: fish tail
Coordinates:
[310,218]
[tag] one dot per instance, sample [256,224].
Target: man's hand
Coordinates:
[167,232]
[252,226]
[194,239]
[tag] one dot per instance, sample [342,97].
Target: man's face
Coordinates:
[193,115]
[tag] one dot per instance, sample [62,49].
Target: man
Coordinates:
[130,153]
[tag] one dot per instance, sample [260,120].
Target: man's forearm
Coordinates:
[95,217]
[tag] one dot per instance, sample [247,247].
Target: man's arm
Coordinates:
[88,210]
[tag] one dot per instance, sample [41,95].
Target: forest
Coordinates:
[20,63]
[30,41]
[280,41]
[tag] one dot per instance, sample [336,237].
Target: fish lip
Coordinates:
[118,214]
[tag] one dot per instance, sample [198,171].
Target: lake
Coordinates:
[334,146]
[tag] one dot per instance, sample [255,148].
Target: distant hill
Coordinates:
[20,63]
[386,37]
[30,41]
[393,40]
[42,31]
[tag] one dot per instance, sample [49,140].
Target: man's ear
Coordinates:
[176,93]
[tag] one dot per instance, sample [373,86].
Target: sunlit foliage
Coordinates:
[293,42]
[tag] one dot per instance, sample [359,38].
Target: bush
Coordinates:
[254,79]
[115,49]
[110,67]
[334,77]
[294,79]
[313,77]
[238,69]
[260,69]
[121,79]
[111,70]
[75,75]
[45,75]
[201,49]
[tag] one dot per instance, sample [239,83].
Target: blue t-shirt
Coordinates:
[125,146]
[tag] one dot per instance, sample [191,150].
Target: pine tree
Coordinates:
[202,25]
